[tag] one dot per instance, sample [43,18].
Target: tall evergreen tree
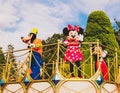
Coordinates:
[51,49]
[99,27]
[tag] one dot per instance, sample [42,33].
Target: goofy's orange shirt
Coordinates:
[38,46]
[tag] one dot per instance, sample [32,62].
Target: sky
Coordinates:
[18,17]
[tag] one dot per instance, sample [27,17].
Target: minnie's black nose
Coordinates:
[73,36]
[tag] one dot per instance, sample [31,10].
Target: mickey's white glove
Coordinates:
[104,53]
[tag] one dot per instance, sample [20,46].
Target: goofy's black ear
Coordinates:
[33,37]
[65,31]
[81,31]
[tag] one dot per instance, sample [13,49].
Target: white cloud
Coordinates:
[113,9]
[87,6]
[22,15]
[45,18]
[7,15]
[110,7]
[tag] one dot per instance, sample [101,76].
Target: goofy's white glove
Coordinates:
[32,45]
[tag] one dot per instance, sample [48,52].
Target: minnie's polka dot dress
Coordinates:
[73,53]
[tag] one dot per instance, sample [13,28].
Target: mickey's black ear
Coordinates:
[65,31]
[81,31]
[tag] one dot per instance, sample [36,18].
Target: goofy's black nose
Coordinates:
[21,37]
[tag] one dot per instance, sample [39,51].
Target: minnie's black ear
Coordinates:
[65,31]
[81,31]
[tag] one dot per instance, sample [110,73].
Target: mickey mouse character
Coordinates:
[36,45]
[102,57]
[73,53]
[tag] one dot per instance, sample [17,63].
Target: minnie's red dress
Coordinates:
[73,53]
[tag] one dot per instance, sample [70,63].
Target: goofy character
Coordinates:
[36,45]
[73,53]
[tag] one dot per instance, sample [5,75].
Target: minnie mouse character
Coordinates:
[73,53]
[36,44]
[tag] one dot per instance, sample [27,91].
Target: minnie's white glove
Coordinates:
[65,43]
[81,37]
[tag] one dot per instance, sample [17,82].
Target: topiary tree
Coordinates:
[99,27]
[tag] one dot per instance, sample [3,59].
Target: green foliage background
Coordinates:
[99,27]
[2,60]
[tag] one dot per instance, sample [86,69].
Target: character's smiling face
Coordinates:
[31,36]
[27,39]
[73,35]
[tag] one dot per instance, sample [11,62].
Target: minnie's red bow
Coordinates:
[76,28]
